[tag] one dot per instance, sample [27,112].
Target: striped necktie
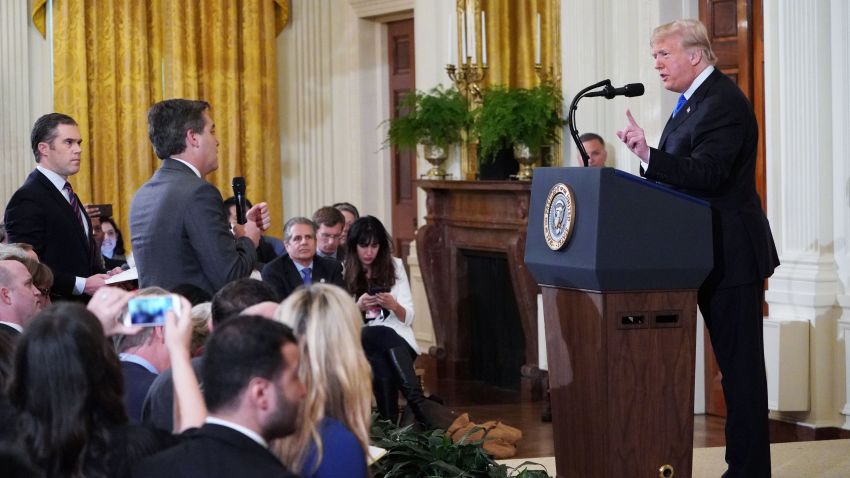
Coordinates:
[75,204]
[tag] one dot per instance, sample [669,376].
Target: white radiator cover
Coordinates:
[786,357]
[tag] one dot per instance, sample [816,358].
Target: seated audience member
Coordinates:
[233,298]
[42,278]
[351,214]
[19,297]
[66,391]
[329,222]
[269,247]
[252,392]
[201,319]
[594,146]
[112,246]
[300,265]
[379,284]
[143,357]
[333,431]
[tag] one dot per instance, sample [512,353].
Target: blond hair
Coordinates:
[692,33]
[333,369]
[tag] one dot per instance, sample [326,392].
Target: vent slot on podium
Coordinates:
[666,319]
[632,321]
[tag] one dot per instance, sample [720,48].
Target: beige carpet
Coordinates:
[809,459]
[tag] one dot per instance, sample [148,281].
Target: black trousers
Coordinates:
[377,340]
[733,317]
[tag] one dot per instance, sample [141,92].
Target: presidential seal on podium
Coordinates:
[559,216]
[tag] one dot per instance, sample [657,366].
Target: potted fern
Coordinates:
[519,118]
[435,119]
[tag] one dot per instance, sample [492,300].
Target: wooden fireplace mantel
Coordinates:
[479,216]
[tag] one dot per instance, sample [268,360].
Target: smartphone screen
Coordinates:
[149,311]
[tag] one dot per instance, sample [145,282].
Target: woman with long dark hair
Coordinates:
[379,284]
[66,392]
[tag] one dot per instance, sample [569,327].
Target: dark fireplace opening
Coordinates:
[495,336]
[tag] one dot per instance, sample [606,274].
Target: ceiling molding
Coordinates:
[382,8]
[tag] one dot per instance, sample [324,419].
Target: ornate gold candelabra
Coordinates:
[467,78]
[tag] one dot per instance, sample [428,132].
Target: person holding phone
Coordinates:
[379,284]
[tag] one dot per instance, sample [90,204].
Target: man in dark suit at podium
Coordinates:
[708,150]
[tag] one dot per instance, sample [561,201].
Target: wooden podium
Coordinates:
[619,302]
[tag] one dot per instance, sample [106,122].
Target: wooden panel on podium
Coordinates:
[624,384]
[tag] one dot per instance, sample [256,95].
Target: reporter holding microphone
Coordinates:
[178,229]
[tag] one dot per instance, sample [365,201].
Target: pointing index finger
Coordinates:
[631,118]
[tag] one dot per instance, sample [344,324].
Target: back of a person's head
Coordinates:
[238,351]
[332,367]
[67,387]
[235,296]
[123,343]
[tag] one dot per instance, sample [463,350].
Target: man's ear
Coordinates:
[259,391]
[696,56]
[191,138]
[5,297]
[42,148]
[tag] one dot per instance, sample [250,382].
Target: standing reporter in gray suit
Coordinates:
[708,150]
[177,226]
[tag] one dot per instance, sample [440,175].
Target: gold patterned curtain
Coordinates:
[512,40]
[114,58]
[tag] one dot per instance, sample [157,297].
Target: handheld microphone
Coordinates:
[239,193]
[632,89]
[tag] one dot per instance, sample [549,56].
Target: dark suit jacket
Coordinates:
[179,233]
[39,214]
[708,150]
[158,405]
[213,451]
[137,381]
[284,277]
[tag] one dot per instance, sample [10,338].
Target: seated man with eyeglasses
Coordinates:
[330,223]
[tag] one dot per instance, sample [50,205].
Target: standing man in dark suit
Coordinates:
[300,265]
[46,213]
[178,229]
[708,149]
[252,390]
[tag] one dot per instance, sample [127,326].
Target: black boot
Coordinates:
[430,414]
[386,397]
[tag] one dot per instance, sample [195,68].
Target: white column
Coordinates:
[840,31]
[332,96]
[16,120]
[800,173]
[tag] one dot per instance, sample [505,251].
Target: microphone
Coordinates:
[632,89]
[239,193]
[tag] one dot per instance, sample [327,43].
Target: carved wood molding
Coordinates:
[378,8]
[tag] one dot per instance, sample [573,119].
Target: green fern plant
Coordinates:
[411,453]
[438,116]
[511,116]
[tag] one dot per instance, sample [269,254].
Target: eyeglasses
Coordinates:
[324,236]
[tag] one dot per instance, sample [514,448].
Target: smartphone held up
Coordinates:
[149,311]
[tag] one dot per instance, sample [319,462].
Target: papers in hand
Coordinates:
[130,274]
[375,453]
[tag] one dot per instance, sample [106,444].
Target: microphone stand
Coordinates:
[571,118]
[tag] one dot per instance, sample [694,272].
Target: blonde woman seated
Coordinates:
[332,436]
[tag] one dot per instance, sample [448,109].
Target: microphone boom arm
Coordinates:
[571,118]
